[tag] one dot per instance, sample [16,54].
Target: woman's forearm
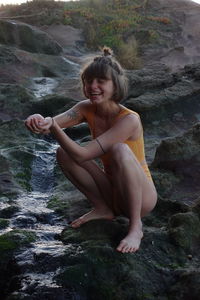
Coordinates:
[78,153]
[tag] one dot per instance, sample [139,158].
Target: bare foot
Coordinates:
[93,215]
[131,242]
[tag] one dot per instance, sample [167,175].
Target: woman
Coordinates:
[124,185]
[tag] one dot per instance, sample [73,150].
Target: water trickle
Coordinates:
[40,262]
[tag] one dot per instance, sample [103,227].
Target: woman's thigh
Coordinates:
[138,178]
[88,174]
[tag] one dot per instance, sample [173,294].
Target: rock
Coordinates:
[187,285]
[17,147]
[164,210]
[8,212]
[184,230]
[196,207]
[153,78]
[177,159]
[3,223]
[91,270]
[9,243]
[52,105]
[164,103]
[15,100]
[181,154]
[28,38]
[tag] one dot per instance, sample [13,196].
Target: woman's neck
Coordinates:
[107,110]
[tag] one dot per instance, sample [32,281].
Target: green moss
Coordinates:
[8,211]
[3,223]
[14,239]
[184,230]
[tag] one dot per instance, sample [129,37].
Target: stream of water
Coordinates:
[40,262]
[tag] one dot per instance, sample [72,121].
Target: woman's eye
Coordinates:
[101,80]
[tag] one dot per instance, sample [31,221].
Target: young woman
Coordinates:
[124,185]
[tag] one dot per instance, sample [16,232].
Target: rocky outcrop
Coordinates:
[157,94]
[28,38]
[180,155]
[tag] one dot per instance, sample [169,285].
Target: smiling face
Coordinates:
[99,90]
[104,79]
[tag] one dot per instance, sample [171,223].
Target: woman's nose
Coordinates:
[94,83]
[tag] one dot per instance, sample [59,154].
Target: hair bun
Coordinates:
[107,51]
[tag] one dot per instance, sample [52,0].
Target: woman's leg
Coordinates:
[137,193]
[92,182]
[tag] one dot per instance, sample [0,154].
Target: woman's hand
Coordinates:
[38,124]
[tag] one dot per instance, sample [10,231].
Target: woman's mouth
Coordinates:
[95,94]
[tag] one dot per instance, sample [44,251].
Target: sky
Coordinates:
[21,1]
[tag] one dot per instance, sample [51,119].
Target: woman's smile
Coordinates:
[99,89]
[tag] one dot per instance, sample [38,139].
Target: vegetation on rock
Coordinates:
[122,25]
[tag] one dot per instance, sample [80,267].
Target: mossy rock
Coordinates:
[15,100]
[14,239]
[9,243]
[184,230]
[9,211]
[3,223]
[163,211]
[95,270]
[187,285]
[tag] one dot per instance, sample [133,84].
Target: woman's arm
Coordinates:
[120,132]
[75,115]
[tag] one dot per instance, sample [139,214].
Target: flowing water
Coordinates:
[40,262]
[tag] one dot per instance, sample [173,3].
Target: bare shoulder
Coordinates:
[131,119]
[85,106]
[132,124]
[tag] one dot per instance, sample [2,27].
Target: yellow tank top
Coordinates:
[137,146]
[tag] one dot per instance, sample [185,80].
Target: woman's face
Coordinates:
[99,90]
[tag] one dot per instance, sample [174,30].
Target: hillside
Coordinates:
[140,32]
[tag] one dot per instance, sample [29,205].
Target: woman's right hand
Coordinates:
[33,123]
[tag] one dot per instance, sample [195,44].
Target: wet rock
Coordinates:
[3,223]
[23,221]
[27,37]
[15,100]
[9,243]
[9,211]
[8,186]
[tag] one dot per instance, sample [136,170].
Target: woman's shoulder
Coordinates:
[128,113]
[125,111]
[85,103]
[86,107]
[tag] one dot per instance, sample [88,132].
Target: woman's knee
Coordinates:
[62,156]
[121,152]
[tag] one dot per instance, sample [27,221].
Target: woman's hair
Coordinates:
[105,66]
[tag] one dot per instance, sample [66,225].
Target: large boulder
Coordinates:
[176,166]
[27,37]
[15,101]
[181,154]
[157,94]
